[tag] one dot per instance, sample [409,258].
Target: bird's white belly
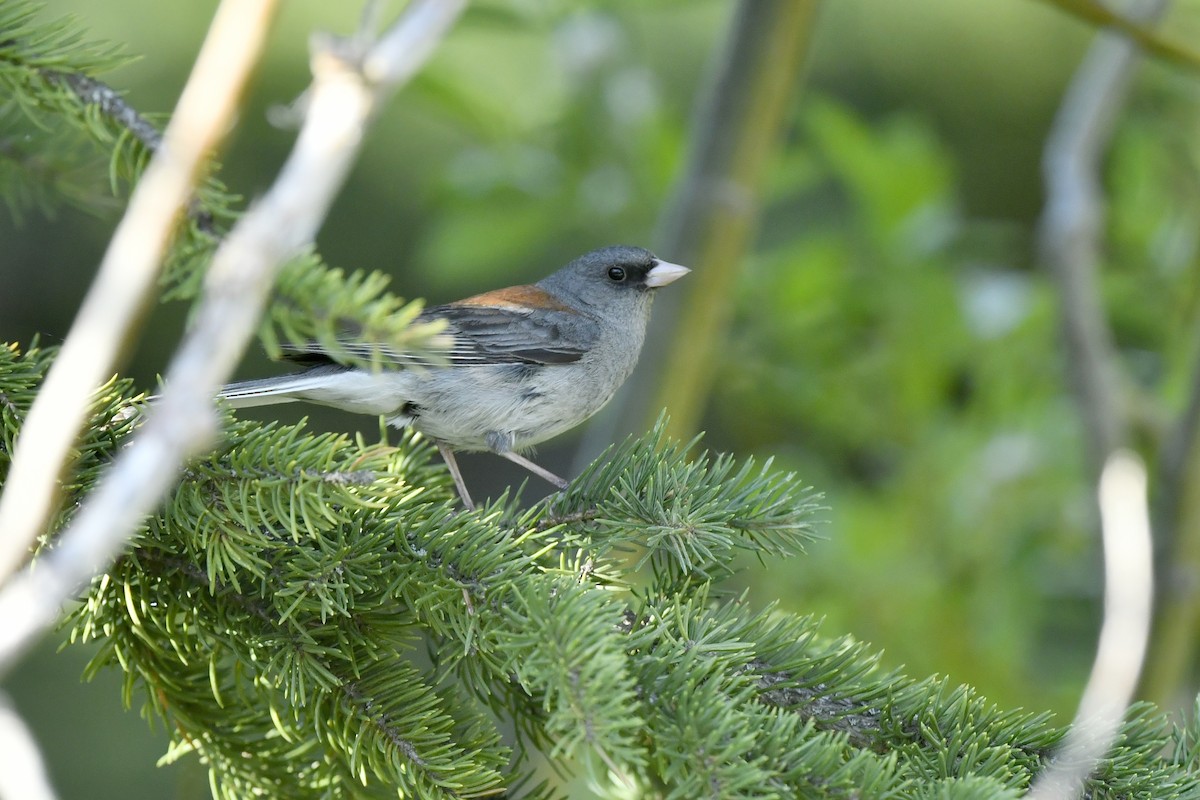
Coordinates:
[505,406]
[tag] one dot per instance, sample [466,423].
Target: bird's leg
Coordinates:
[502,445]
[459,483]
[541,472]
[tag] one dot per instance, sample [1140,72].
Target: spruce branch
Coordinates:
[274,605]
[710,735]
[559,647]
[44,61]
[45,119]
[688,512]
[93,93]
[53,84]
[22,373]
[314,303]
[297,604]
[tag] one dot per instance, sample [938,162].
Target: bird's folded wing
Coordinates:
[481,335]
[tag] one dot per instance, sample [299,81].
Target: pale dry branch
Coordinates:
[1124,633]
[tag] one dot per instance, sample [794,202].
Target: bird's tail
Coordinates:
[352,390]
[271,391]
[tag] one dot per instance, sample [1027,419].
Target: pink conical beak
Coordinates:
[664,272]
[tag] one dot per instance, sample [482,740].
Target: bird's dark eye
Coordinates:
[616,274]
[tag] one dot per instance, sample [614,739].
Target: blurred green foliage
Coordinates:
[895,341]
[891,351]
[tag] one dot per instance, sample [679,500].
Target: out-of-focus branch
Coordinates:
[1071,230]
[24,775]
[715,208]
[127,278]
[351,77]
[1132,26]
[1128,594]
[1072,226]
[1173,650]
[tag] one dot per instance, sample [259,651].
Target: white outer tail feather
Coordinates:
[269,391]
[354,390]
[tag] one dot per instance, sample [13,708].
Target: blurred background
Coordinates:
[889,333]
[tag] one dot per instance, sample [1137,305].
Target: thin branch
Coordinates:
[1072,224]
[1128,596]
[128,276]
[827,711]
[348,86]
[92,92]
[1132,26]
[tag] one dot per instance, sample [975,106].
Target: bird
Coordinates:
[525,363]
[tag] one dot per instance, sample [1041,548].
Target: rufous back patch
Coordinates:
[516,297]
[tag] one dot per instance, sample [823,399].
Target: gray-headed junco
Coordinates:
[527,363]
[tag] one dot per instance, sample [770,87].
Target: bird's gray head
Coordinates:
[612,278]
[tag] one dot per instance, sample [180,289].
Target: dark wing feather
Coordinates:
[499,335]
[481,335]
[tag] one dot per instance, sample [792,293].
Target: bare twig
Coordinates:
[1072,225]
[92,92]
[127,277]
[351,78]
[1128,594]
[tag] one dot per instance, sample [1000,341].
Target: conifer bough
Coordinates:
[311,616]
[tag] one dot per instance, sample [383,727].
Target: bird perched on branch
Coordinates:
[526,364]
